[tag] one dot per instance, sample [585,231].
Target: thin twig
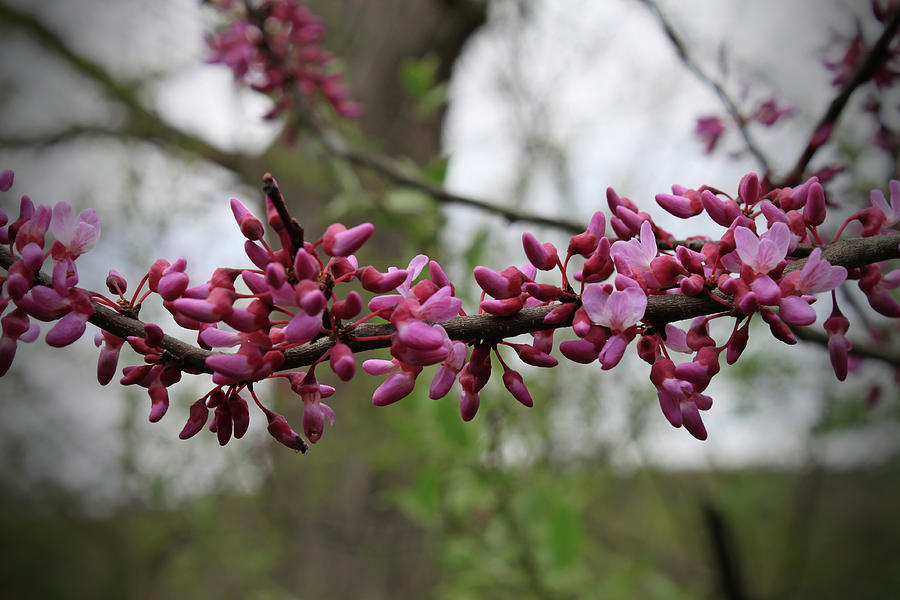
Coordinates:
[295,231]
[410,177]
[141,122]
[864,72]
[703,76]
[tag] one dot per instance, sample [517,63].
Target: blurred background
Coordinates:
[536,106]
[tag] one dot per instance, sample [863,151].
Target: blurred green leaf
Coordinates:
[418,76]
[475,253]
[563,535]
[436,170]
[449,423]
[407,201]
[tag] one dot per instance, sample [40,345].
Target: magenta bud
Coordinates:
[542,256]
[503,308]
[348,307]
[723,212]
[196,420]
[691,286]
[580,351]
[737,343]
[560,314]
[778,328]
[542,291]
[115,283]
[749,189]
[153,334]
[240,415]
[306,266]
[515,385]
[680,206]
[374,281]
[159,401]
[500,285]
[222,420]
[342,362]
[468,404]
[532,356]
[340,241]
[479,367]
[397,386]
[251,227]
[814,211]
[280,430]
[438,276]
[6,180]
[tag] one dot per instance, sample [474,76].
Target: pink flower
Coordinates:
[636,254]
[817,275]
[768,112]
[709,130]
[619,310]
[762,254]
[77,235]
[616,309]
[891,213]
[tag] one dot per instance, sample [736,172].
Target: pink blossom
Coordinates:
[636,254]
[817,275]
[762,254]
[616,309]
[768,113]
[619,310]
[77,235]
[891,212]
[709,130]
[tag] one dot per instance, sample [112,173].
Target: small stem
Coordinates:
[295,232]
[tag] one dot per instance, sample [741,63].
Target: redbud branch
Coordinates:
[660,310]
[707,79]
[864,72]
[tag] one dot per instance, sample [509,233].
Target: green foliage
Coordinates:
[419,80]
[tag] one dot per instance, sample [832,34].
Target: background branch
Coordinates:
[876,56]
[692,65]
[140,123]
[407,176]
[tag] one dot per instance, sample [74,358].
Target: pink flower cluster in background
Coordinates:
[274,47]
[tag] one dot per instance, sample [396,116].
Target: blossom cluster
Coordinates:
[301,294]
[274,47]
[62,301]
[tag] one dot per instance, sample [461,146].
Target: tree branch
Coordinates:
[660,310]
[864,72]
[404,175]
[141,123]
[692,65]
